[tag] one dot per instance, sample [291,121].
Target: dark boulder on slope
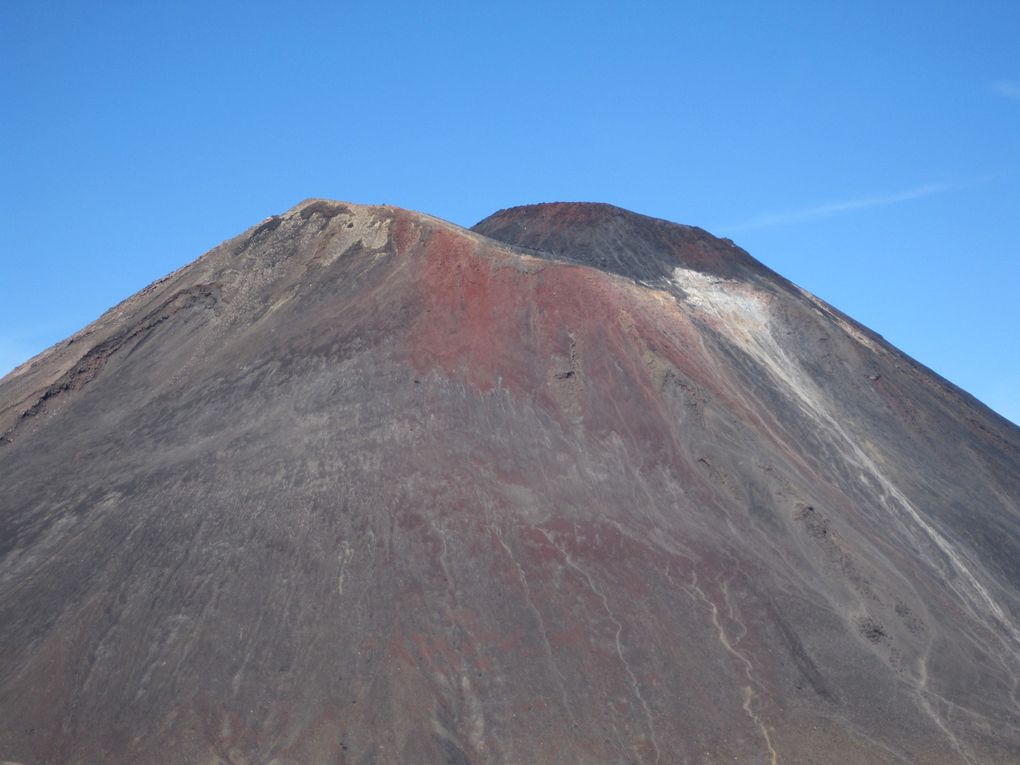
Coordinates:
[361,486]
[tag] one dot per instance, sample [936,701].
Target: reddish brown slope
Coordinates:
[362,486]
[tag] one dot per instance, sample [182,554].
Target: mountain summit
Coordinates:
[617,240]
[574,486]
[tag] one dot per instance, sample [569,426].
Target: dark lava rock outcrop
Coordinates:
[578,486]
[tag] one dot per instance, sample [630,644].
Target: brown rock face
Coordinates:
[578,486]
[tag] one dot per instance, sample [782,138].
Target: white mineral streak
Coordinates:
[741,312]
[731,648]
[540,621]
[618,629]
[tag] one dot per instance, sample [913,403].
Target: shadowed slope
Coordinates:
[618,241]
[362,486]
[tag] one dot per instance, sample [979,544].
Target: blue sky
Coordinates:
[870,152]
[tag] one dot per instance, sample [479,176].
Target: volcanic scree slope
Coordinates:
[574,486]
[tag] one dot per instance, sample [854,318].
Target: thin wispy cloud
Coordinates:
[835,208]
[1007,88]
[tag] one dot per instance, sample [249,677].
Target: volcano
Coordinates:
[573,486]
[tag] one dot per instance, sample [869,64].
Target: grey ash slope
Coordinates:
[361,486]
[650,250]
